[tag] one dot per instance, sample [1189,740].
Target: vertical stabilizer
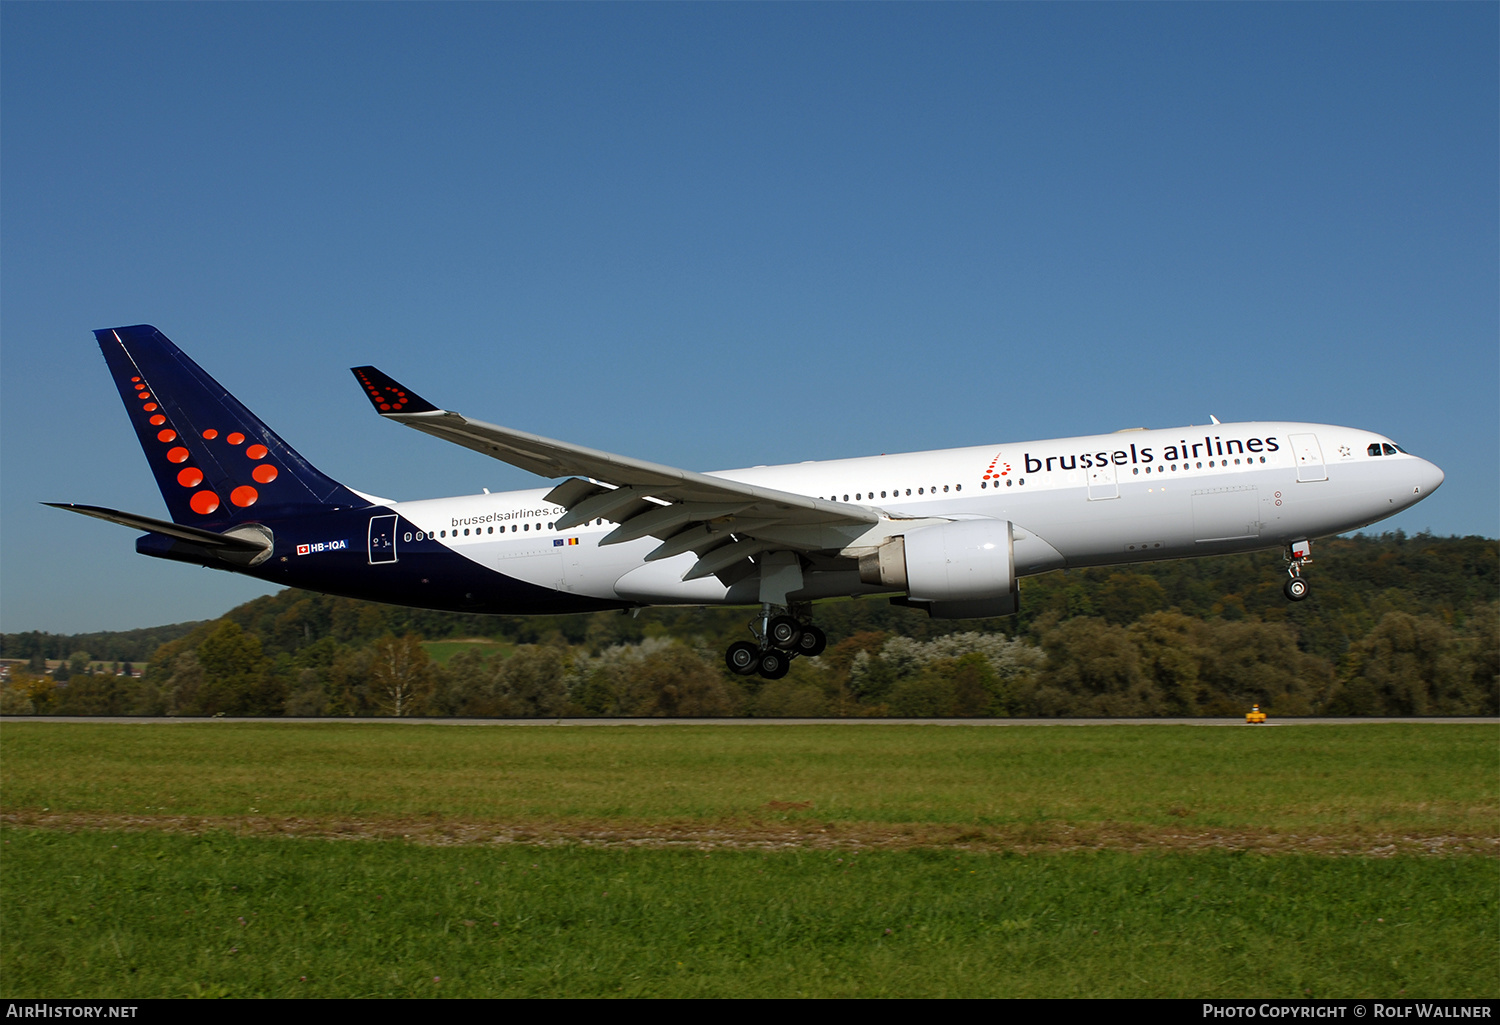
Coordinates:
[216,463]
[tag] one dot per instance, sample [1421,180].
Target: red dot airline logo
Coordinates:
[388,398]
[205,501]
[997,468]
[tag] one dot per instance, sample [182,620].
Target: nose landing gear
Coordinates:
[1298,554]
[781,637]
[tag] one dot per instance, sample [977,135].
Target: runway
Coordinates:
[140,720]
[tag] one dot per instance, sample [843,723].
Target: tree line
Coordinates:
[1397,625]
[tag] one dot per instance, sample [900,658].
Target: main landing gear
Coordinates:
[780,637]
[1298,554]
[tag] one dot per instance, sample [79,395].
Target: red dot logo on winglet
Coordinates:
[204,502]
[265,473]
[256,451]
[244,496]
[166,435]
[210,434]
[190,477]
[236,438]
[149,407]
[158,420]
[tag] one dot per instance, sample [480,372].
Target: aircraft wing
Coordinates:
[723,521]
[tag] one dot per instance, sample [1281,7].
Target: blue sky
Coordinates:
[722,235]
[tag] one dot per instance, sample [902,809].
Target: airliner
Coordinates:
[950,532]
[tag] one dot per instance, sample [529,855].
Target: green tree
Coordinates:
[1411,665]
[236,675]
[401,675]
[1098,666]
[532,682]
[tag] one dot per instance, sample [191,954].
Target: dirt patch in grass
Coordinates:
[1029,838]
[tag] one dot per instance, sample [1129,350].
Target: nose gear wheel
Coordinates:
[1298,555]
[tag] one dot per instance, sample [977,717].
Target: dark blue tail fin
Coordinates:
[215,462]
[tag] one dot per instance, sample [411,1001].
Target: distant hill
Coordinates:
[1396,624]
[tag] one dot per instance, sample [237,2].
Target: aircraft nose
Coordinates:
[1429,476]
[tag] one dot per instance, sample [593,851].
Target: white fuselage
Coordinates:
[1131,496]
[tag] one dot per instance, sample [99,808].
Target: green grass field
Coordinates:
[441,651]
[194,859]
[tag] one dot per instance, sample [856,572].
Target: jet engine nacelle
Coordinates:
[965,569]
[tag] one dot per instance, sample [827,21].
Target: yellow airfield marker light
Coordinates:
[1255,716]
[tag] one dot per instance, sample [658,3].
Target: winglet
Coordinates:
[387,396]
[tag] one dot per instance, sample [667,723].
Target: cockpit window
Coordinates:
[1374,449]
[1390,450]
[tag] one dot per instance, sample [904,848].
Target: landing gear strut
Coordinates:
[781,637]
[1298,554]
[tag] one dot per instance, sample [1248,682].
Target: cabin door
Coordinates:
[1103,483]
[382,539]
[1309,457]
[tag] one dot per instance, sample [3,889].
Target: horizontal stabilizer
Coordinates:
[197,536]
